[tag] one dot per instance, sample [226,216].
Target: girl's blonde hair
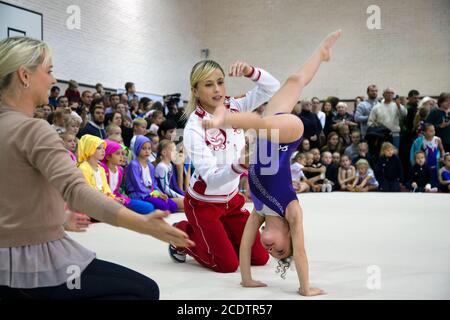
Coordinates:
[200,72]
[71,120]
[362,163]
[163,144]
[385,146]
[110,128]
[64,136]
[21,51]
[116,137]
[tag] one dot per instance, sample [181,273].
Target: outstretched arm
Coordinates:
[294,216]
[251,229]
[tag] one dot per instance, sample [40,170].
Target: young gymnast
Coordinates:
[298,177]
[165,171]
[444,174]
[365,178]
[346,174]
[274,198]
[114,174]
[140,178]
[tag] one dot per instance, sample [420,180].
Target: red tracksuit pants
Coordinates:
[216,229]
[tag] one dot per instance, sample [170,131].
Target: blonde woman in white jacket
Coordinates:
[213,204]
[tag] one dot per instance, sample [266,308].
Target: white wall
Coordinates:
[150,42]
[156,42]
[410,51]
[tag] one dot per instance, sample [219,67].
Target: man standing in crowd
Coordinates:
[363,110]
[440,118]
[389,114]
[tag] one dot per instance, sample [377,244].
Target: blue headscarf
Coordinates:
[140,140]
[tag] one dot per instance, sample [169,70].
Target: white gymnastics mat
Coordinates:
[359,246]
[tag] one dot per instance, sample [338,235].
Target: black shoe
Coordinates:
[177,256]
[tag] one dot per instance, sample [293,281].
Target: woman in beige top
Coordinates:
[37,258]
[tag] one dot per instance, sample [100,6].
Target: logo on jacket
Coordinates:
[216,139]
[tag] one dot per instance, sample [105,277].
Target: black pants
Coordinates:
[101,280]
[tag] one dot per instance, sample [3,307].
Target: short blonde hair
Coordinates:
[385,146]
[116,137]
[111,127]
[139,121]
[362,163]
[21,51]
[70,119]
[341,104]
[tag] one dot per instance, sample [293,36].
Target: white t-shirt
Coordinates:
[98,179]
[322,117]
[297,171]
[113,180]
[146,176]
[372,181]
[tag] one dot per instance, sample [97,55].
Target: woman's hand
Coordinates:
[157,227]
[76,222]
[239,69]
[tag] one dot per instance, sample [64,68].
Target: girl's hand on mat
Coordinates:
[311,292]
[158,228]
[239,69]
[253,284]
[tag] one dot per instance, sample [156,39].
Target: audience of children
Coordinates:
[344,161]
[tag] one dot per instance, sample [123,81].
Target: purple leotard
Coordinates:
[272,193]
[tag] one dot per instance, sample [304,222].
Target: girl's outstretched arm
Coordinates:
[294,216]
[251,229]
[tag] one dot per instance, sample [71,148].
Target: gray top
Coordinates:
[43,265]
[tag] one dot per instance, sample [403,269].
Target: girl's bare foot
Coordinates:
[325,47]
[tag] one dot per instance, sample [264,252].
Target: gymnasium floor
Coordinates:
[405,236]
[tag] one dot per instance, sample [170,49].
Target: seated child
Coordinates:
[420,175]
[70,143]
[114,174]
[164,171]
[298,177]
[365,178]
[444,174]
[389,168]
[331,175]
[336,159]
[140,178]
[346,174]
[313,172]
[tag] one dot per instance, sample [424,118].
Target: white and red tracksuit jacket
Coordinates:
[215,153]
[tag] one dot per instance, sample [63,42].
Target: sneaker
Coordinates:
[176,255]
